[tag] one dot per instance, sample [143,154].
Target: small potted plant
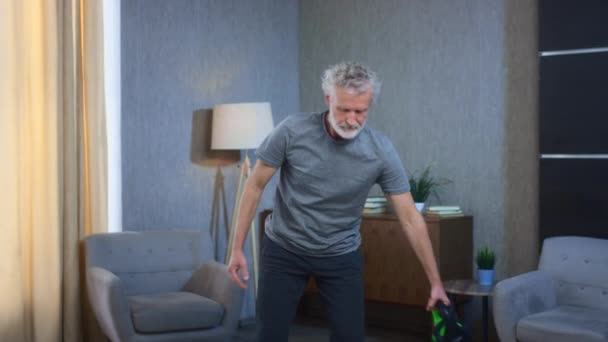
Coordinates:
[422,186]
[485,266]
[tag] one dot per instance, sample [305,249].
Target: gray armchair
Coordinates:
[155,286]
[565,300]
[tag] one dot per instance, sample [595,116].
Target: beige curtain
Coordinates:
[53,157]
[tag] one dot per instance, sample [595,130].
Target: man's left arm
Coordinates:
[415,229]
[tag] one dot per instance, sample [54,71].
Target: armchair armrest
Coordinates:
[109,304]
[213,281]
[520,296]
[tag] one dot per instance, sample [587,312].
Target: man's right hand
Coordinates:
[238,263]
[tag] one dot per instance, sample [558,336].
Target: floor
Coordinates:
[315,330]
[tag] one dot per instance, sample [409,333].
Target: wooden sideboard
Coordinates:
[393,276]
[392,272]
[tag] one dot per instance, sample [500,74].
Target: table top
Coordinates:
[467,287]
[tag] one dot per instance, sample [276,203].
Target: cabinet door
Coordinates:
[392,272]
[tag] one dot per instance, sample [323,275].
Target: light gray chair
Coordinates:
[565,300]
[156,286]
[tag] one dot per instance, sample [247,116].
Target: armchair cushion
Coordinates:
[174,311]
[564,324]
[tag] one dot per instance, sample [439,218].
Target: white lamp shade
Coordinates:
[240,126]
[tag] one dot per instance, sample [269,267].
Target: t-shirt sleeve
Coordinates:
[273,150]
[392,179]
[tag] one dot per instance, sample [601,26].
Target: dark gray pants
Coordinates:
[284,276]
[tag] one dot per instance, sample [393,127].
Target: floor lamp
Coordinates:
[241,126]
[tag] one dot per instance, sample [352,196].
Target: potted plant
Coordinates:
[485,266]
[421,187]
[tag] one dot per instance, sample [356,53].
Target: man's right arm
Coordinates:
[254,187]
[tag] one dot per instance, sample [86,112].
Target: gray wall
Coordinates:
[458,92]
[179,59]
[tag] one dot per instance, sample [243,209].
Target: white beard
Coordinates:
[341,129]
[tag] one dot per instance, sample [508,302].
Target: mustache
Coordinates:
[345,125]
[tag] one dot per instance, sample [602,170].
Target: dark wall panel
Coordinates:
[573,103]
[570,24]
[573,118]
[574,197]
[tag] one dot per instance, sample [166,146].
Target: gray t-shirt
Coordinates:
[324,183]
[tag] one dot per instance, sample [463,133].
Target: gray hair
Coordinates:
[350,75]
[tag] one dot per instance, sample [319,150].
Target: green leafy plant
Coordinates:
[485,258]
[422,186]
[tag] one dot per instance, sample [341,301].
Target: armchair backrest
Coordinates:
[580,267]
[147,262]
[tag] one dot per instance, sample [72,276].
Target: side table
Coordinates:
[469,287]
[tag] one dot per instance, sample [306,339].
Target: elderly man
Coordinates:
[329,161]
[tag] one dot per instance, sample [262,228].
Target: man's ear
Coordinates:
[327,100]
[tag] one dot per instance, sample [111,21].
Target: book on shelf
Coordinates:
[374,210]
[444,211]
[432,214]
[376,199]
[374,205]
[443,207]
